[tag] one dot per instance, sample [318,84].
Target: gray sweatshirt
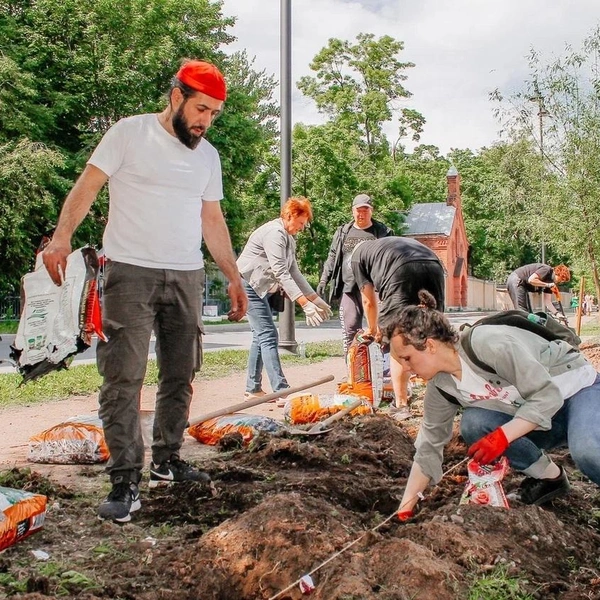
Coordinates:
[269,258]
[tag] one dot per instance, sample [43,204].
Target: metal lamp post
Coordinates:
[287,339]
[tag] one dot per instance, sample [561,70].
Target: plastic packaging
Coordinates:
[57,322]
[365,370]
[212,431]
[306,585]
[77,441]
[21,514]
[484,486]
[311,408]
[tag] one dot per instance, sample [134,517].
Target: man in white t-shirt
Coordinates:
[165,185]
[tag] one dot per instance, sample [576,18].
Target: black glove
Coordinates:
[321,289]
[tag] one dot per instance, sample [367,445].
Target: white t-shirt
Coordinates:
[156,186]
[474,388]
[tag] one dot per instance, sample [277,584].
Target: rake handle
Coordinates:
[335,416]
[261,400]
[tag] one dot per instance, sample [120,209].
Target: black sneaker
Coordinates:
[174,470]
[123,499]
[540,491]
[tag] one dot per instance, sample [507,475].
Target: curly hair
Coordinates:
[297,207]
[562,273]
[416,324]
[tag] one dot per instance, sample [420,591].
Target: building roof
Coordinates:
[429,218]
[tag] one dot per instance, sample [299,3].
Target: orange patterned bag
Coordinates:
[365,370]
[21,514]
[210,432]
[80,440]
[310,408]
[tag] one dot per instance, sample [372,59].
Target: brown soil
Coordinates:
[287,506]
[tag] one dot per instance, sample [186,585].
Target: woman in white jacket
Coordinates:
[268,267]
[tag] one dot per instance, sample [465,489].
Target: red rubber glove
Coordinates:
[489,448]
[405,515]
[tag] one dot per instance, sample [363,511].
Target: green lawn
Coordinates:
[590,328]
[81,380]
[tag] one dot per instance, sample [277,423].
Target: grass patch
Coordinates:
[83,380]
[591,328]
[8,327]
[498,585]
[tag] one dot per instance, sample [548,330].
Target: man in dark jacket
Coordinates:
[338,271]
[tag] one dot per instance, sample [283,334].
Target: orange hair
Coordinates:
[562,273]
[297,207]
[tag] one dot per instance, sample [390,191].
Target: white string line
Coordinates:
[349,545]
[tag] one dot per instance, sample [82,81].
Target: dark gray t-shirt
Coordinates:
[377,261]
[544,272]
[354,237]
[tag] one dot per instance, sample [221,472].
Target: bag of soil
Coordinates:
[57,322]
[212,431]
[77,441]
[311,408]
[21,514]
[365,369]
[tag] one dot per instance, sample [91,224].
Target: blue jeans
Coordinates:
[576,426]
[263,350]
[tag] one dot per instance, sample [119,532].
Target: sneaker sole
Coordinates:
[135,505]
[157,483]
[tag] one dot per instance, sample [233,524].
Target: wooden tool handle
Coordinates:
[337,416]
[260,400]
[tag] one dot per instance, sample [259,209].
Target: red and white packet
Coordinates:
[485,484]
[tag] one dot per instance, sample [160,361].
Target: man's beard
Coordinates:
[183,131]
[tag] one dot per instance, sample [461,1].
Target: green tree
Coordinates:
[360,85]
[496,185]
[359,88]
[560,104]
[82,66]
[26,173]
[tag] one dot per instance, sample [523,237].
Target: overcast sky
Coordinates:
[462,50]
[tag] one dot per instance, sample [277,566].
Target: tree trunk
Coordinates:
[594,264]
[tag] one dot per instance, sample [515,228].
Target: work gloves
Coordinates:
[323,307]
[489,447]
[321,289]
[313,314]
[405,515]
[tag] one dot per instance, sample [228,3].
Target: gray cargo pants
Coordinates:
[137,300]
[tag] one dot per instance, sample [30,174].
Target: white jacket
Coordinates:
[269,258]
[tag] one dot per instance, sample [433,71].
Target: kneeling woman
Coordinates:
[534,396]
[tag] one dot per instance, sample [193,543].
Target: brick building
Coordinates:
[440,226]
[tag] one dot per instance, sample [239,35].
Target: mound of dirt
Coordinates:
[287,506]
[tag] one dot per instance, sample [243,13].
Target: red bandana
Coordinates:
[203,77]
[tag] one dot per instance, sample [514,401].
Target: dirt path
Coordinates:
[19,424]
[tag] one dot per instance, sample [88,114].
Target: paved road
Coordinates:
[236,336]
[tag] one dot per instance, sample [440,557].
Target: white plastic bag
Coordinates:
[57,321]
